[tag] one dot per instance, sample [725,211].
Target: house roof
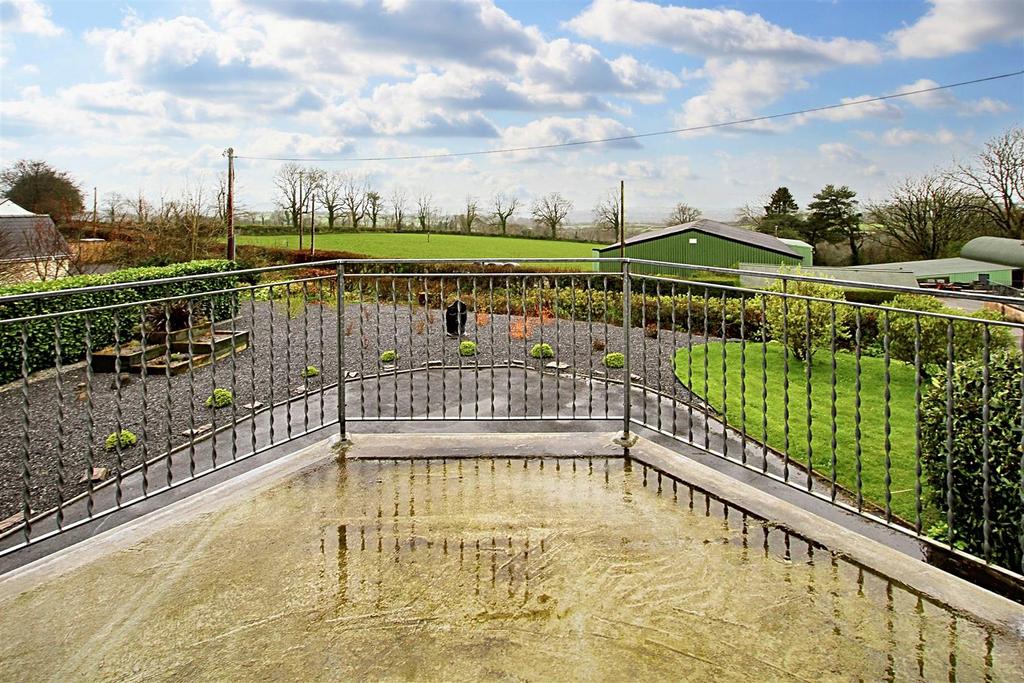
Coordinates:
[25,237]
[939,267]
[1004,250]
[716,229]
[9,208]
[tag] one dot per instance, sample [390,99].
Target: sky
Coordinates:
[144,97]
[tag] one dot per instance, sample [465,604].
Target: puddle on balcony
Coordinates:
[581,569]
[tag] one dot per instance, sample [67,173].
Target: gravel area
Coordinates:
[59,431]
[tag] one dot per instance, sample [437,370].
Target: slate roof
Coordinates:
[20,234]
[708,227]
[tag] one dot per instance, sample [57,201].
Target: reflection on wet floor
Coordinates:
[470,569]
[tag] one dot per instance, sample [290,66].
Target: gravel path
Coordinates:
[281,346]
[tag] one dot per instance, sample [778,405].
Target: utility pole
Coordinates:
[230,208]
[622,219]
[312,223]
[302,209]
[95,212]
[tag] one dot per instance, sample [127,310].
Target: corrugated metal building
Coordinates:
[701,243]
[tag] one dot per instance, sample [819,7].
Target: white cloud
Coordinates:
[955,26]
[897,137]
[553,130]
[713,32]
[986,105]
[840,151]
[27,16]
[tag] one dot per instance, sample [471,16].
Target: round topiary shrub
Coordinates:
[220,398]
[614,360]
[124,438]
[542,351]
[467,348]
[389,356]
[310,371]
[968,479]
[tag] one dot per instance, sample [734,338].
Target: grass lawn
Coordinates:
[902,438]
[416,245]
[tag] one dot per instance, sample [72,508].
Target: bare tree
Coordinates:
[353,198]
[997,178]
[328,194]
[116,208]
[468,217]
[503,206]
[49,254]
[606,212]
[399,207]
[374,207]
[682,213]
[550,210]
[424,211]
[294,191]
[929,217]
[142,208]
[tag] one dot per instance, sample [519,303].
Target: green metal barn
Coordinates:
[701,243]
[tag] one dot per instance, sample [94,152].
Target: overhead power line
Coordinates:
[637,136]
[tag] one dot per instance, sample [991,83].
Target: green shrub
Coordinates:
[786,318]
[968,337]
[467,348]
[389,356]
[542,351]
[220,398]
[614,360]
[126,439]
[310,371]
[967,455]
[40,343]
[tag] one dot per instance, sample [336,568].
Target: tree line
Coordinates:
[925,217]
[347,200]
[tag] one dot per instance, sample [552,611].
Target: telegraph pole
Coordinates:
[312,223]
[95,213]
[229,209]
[302,210]
[622,219]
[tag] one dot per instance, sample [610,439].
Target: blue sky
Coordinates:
[144,96]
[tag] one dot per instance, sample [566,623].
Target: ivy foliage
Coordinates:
[40,334]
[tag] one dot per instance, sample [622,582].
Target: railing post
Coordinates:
[627,324]
[340,344]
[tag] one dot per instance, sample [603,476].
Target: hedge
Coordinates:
[40,347]
[1004,439]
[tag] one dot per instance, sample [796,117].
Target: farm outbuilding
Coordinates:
[998,260]
[31,247]
[701,243]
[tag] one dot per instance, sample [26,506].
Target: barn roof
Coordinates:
[24,234]
[1004,250]
[716,229]
[938,267]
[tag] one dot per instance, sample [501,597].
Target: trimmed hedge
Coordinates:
[40,346]
[1004,456]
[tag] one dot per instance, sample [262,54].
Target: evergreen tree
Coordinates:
[42,189]
[780,215]
[781,203]
[834,213]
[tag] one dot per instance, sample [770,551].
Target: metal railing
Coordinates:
[897,411]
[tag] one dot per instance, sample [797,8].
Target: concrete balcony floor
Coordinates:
[493,563]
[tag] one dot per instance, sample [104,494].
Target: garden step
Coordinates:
[221,341]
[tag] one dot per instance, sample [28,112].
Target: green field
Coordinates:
[419,245]
[872,414]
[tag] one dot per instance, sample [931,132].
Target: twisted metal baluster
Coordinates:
[26,440]
[58,355]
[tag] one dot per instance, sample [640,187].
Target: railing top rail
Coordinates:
[823,300]
[850,284]
[331,263]
[669,266]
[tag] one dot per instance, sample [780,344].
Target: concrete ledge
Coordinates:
[458,446]
[916,575]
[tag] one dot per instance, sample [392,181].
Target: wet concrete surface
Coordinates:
[521,569]
[496,400]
